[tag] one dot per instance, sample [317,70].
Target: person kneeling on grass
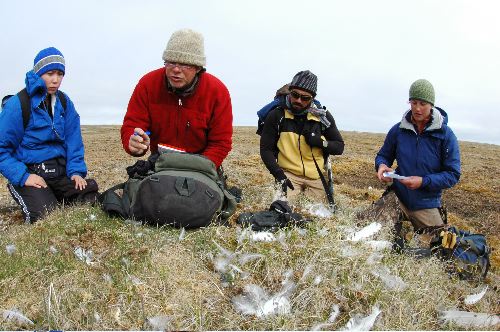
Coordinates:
[41,148]
[428,158]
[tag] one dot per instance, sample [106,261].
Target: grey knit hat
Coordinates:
[305,80]
[422,90]
[185,46]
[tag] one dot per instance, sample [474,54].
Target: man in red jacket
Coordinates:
[180,105]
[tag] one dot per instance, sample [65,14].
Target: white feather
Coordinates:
[245,258]
[392,282]
[263,236]
[363,323]
[182,235]
[320,210]
[84,255]
[474,298]
[365,232]
[469,319]
[379,245]
[16,316]
[334,314]
[160,323]
[10,248]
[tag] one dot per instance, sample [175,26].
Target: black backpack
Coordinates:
[278,216]
[184,190]
[25,100]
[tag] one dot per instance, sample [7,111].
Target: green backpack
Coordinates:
[183,191]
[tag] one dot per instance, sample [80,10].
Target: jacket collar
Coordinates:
[36,88]
[439,118]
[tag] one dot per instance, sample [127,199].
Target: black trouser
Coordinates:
[36,202]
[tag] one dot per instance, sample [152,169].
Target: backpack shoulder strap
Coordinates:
[63,99]
[25,100]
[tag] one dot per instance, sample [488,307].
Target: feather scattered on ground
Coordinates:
[320,210]
[257,302]
[469,319]
[16,317]
[390,281]
[182,235]
[160,323]
[360,323]
[474,298]
[333,316]
[365,232]
[10,248]
[84,255]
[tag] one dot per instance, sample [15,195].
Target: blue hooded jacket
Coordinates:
[44,138]
[434,155]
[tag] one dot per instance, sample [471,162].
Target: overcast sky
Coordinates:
[366,54]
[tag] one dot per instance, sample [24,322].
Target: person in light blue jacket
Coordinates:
[42,152]
[427,154]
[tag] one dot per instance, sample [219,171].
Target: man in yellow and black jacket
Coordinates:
[295,135]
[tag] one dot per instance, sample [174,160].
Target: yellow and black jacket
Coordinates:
[283,146]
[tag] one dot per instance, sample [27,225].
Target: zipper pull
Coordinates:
[188,124]
[180,102]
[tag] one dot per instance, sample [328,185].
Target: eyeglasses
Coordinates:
[178,65]
[297,95]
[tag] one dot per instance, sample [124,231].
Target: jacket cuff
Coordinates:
[425,181]
[23,179]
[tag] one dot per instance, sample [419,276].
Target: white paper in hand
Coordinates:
[393,175]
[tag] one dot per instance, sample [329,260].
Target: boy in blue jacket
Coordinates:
[427,154]
[44,160]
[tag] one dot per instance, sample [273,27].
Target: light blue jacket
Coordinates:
[44,138]
[434,155]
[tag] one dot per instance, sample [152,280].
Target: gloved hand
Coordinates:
[313,139]
[449,239]
[285,184]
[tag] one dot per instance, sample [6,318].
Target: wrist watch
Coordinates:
[325,144]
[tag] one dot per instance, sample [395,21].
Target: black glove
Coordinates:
[313,139]
[285,184]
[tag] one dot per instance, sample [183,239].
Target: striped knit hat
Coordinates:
[422,90]
[186,46]
[305,80]
[48,59]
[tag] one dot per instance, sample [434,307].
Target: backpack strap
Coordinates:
[25,100]
[63,99]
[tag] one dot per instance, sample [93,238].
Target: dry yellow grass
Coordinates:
[142,272]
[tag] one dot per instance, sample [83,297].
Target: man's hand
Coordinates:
[380,173]
[412,182]
[313,139]
[285,184]
[80,183]
[36,181]
[139,142]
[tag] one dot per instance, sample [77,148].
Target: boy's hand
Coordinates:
[36,181]
[80,182]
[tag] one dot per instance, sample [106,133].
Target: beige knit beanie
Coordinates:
[185,46]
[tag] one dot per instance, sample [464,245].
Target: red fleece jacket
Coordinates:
[200,123]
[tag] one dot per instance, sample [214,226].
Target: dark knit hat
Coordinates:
[186,46]
[49,59]
[305,80]
[422,90]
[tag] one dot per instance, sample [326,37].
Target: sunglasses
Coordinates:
[297,95]
[178,65]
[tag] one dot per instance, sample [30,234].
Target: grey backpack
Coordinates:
[184,190]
